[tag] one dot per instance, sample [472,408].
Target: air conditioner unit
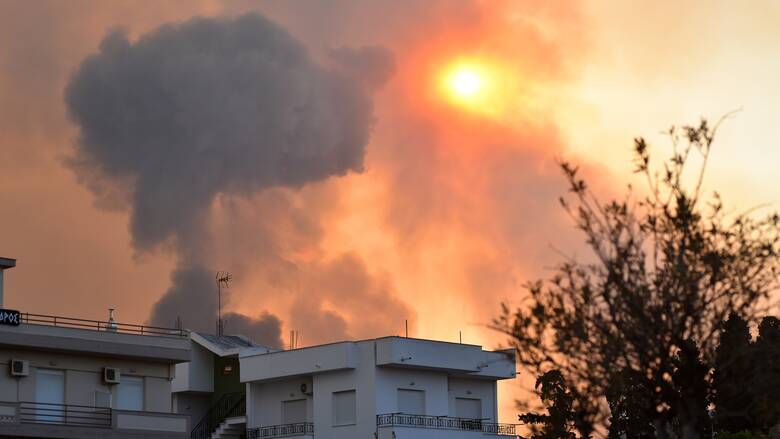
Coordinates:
[111,375]
[305,389]
[20,368]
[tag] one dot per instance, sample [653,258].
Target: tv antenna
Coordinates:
[222,278]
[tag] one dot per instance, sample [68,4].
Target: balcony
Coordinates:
[403,426]
[35,419]
[303,430]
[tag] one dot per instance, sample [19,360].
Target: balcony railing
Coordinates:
[98,325]
[298,429]
[64,414]
[229,405]
[445,423]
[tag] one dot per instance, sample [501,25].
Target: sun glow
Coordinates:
[479,86]
[465,82]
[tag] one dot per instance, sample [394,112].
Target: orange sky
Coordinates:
[454,208]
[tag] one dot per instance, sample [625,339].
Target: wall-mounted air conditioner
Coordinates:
[306,389]
[20,368]
[111,375]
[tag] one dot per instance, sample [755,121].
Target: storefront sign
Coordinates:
[10,317]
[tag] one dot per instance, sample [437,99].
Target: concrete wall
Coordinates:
[434,384]
[375,370]
[483,390]
[299,362]
[159,423]
[194,405]
[409,352]
[171,349]
[83,377]
[197,374]
[267,398]
[361,379]
[429,433]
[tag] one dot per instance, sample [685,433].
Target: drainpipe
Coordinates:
[5,263]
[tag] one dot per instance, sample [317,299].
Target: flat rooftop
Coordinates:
[74,335]
[7,263]
[393,352]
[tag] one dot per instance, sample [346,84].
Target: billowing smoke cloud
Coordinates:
[373,65]
[208,106]
[228,106]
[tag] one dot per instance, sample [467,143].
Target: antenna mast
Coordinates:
[222,278]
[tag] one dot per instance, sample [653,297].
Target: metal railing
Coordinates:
[229,405]
[281,430]
[98,325]
[446,423]
[64,414]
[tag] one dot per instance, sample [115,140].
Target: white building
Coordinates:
[208,389]
[71,378]
[390,387]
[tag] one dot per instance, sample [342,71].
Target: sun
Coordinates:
[465,82]
[471,85]
[481,86]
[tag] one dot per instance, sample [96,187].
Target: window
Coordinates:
[50,395]
[411,402]
[130,393]
[294,412]
[344,408]
[468,408]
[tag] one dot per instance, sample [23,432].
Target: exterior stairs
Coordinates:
[225,419]
[230,428]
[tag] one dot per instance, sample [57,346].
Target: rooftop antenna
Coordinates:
[222,278]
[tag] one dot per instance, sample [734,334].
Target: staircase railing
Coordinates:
[228,406]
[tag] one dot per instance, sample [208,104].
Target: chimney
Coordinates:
[5,263]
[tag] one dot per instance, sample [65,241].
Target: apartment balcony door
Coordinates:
[49,395]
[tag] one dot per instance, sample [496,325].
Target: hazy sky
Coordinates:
[412,202]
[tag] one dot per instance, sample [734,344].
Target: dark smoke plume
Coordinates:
[213,106]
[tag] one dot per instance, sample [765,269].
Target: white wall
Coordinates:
[196,375]
[266,400]
[389,380]
[313,360]
[84,376]
[376,387]
[484,390]
[362,380]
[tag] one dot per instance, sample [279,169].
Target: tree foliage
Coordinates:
[558,421]
[666,268]
[766,386]
[631,411]
[691,393]
[733,377]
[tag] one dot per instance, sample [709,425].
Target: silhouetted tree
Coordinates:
[666,268]
[766,387]
[690,381]
[559,420]
[733,377]
[630,408]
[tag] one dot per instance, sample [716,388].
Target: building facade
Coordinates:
[75,378]
[385,388]
[208,387]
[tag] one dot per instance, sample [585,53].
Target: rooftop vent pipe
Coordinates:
[5,263]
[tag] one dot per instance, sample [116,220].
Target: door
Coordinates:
[130,393]
[294,411]
[411,402]
[468,408]
[49,395]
